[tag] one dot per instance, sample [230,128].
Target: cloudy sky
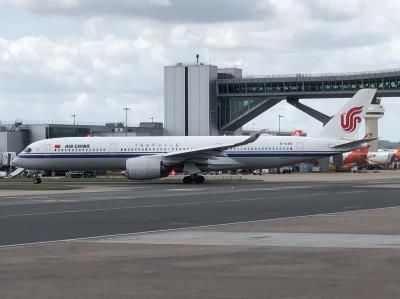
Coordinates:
[93,57]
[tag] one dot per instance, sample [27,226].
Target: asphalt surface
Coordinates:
[146,207]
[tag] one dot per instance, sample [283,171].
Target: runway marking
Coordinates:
[218,238]
[351,192]
[385,186]
[182,189]
[163,205]
[159,205]
[193,227]
[134,207]
[275,188]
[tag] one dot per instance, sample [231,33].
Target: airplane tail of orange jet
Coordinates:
[297,132]
[397,155]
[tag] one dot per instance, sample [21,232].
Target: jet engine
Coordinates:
[145,168]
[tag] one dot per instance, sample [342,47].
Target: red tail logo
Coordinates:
[350,119]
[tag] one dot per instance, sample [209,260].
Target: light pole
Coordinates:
[74,116]
[279,130]
[126,119]
[152,119]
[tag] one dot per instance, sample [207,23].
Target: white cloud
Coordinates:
[57,5]
[162,10]
[222,38]
[80,103]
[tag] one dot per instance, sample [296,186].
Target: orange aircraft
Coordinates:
[356,157]
[397,155]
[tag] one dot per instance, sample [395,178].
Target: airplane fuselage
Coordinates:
[95,153]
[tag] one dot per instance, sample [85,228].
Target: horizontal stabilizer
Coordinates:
[353,143]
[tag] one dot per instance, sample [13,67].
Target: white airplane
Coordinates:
[154,157]
[383,158]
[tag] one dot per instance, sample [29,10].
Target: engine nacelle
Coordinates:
[145,168]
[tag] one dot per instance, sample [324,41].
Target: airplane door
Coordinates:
[113,147]
[300,146]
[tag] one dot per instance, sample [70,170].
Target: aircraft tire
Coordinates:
[187,180]
[37,180]
[199,179]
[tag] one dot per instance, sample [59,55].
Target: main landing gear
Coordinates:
[36,178]
[197,179]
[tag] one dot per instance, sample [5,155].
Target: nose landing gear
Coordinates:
[197,179]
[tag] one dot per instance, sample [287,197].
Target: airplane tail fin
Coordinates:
[345,124]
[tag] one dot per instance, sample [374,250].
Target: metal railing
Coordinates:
[314,75]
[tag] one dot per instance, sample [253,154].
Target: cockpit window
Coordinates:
[27,150]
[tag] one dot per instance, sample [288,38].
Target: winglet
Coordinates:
[252,138]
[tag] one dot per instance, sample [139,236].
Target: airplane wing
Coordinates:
[207,152]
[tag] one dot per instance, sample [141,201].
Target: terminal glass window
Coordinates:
[346,85]
[268,87]
[295,86]
[286,86]
[231,109]
[252,88]
[312,86]
[390,83]
[260,87]
[337,85]
[396,81]
[372,83]
[328,86]
[57,132]
[222,88]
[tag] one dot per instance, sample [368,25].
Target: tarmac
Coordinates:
[327,240]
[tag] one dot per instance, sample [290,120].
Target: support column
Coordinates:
[323,164]
[338,161]
[310,111]
[374,113]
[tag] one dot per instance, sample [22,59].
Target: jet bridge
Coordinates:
[241,99]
